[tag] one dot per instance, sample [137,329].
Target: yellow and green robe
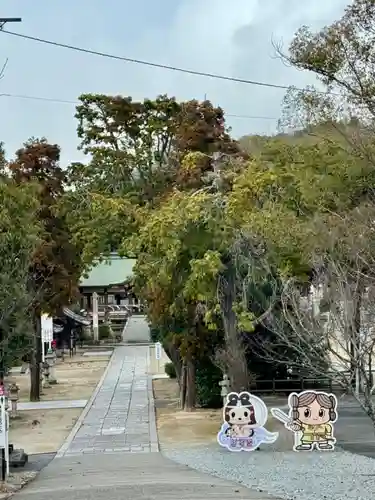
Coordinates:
[315,433]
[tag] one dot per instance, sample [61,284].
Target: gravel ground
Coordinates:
[288,475]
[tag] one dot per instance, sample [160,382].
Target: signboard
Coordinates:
[4,432]
[311,418]
[47,328]
[3,427]
[244,416]
[158,350]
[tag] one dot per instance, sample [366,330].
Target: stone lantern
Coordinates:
[14,397]
[225,385]
[51,360]
[45,367]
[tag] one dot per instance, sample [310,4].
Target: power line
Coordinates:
[38,98]
[75,103]
[148,63]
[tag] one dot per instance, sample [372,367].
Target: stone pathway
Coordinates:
[119,421]
[136,330]
[120,416]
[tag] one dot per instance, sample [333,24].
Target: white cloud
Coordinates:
[215,36]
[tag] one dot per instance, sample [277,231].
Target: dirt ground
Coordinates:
[42,431]
[200,427]
[76,378]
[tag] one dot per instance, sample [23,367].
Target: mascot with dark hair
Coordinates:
[244,418]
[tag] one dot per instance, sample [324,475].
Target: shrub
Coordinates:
[104,331]
[170,370]
[84,336]
[207,378]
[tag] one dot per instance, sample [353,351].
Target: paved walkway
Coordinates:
[121,416]
[52,405]
[136,330]
[112,452]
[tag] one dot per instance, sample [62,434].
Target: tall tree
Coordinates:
[140,152]
[56,266]
[137,147]
[341,56]
[19,238]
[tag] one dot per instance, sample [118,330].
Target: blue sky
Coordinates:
[232,38]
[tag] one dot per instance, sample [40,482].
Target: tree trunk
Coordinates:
[174,355]
[235,350]
[355,347]
[35,361]
[190,400]
[183,386]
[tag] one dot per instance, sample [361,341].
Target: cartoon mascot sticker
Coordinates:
[311,418]
[244,418]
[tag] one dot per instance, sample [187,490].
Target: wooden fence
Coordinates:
[286,386]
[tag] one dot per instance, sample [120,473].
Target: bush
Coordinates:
[170,370]
[207,378]
[104,332]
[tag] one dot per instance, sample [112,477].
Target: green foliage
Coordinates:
[170,370]
[19,238]
[104,332]
[207,379]
[56,264]
[211,233]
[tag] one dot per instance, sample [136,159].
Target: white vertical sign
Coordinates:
[47,328]
[3,426]
[158,350]
[95,316]
[46,331]
[4,430]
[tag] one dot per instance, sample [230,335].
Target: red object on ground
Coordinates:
[53,344]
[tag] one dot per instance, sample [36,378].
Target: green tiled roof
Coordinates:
[113,271]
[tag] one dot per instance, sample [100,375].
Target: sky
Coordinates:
[218,36]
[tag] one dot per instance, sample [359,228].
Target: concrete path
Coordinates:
[129,477]
[354,430]
[52,405]
[112,452]
[120,416]
[136,330]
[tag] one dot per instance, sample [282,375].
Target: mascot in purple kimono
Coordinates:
[245,416]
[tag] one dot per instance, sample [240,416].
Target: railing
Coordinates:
[285,386]
[114,311]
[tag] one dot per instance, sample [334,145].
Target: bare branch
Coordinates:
[3,68]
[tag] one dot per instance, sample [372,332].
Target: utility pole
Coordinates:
[4,20]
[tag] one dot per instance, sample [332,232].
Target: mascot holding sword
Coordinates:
[311,417]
